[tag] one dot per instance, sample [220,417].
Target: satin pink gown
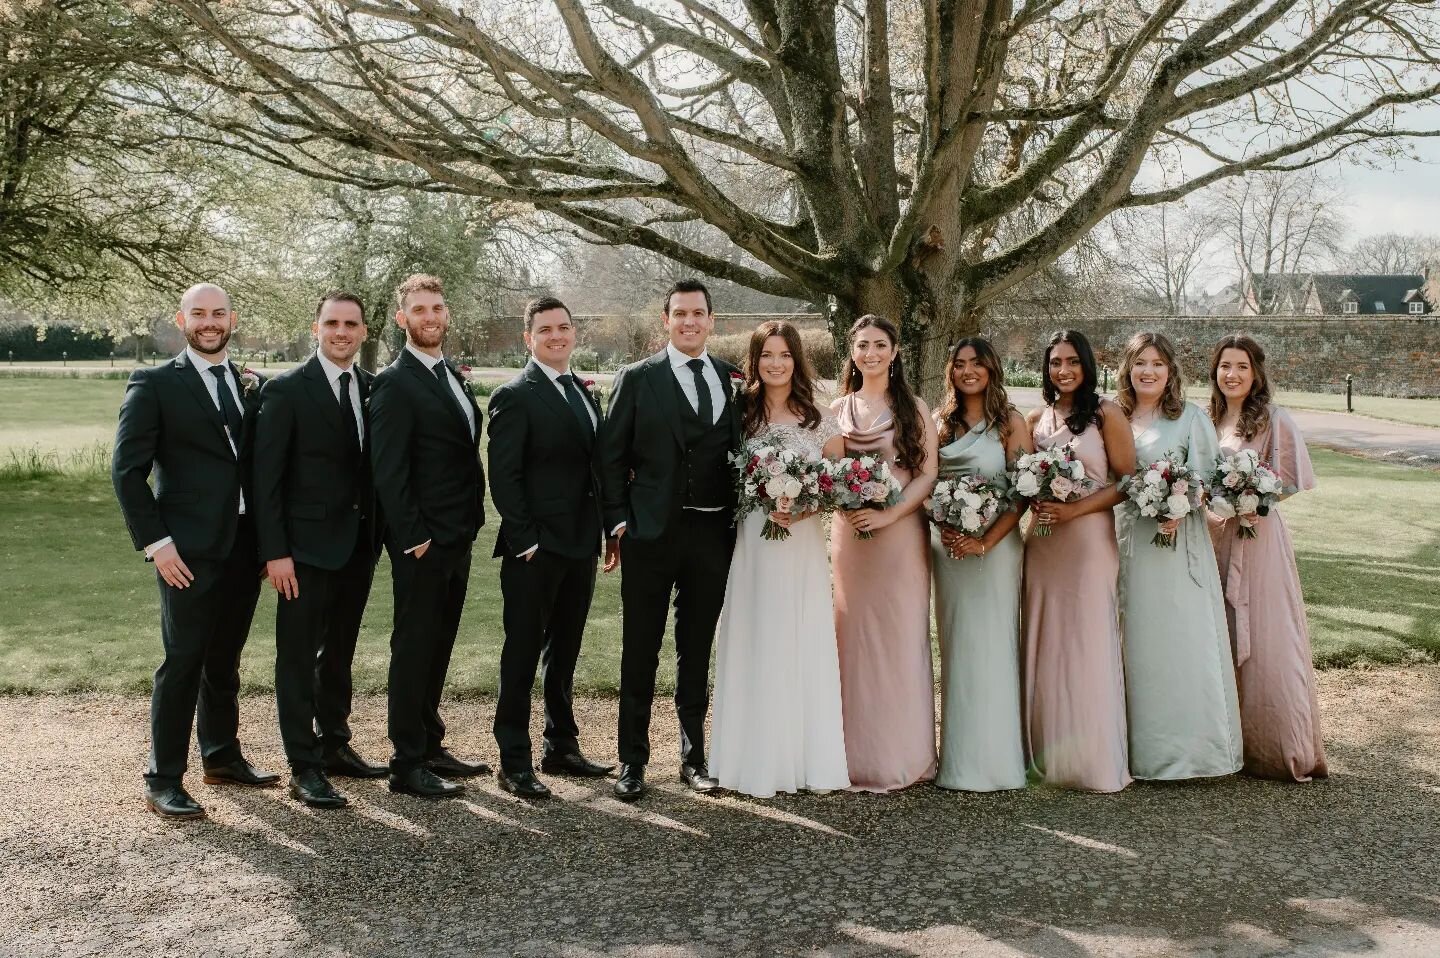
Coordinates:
[882,625]
[1074,678]
[1279,711]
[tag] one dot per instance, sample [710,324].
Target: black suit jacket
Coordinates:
[313,496]
[643,442]
[543,474]
[428,475]
[169,424]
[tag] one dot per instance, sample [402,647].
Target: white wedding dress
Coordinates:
[777,724]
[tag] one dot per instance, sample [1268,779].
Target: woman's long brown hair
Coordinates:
[909,430]
[801,400]
[1172,401]
[951,415]
[1255,411]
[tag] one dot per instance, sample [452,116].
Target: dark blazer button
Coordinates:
[355,506]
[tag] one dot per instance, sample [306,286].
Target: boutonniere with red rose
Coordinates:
[249,381]
[737,375]
[587,384]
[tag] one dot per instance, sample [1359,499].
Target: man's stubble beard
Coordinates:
[192,337]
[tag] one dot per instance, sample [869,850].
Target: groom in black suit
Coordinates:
[190,421]
[670,498]
[319,538]
[544,427]
[425,450]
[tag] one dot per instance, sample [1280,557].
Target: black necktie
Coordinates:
[347,411]
[228,409]
[702,392]
[442,373]
[577,404]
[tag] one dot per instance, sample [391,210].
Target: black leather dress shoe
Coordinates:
[444,763]
[573,763]
[631,784]
[239,772]
[524,784]
[344,761]
[423,783]
[172,801]
[698,778]
[314,789]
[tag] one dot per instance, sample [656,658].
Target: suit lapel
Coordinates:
[550,397]
[662,383]
[318,385]
[191,377]
[442,391]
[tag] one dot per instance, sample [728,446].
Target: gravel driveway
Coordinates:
[1232,867]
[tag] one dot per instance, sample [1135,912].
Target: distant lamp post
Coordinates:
[64,357]
[112,359]
[12,356]
[1349,393]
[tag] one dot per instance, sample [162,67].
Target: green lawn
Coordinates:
[81,608]
[1416,412]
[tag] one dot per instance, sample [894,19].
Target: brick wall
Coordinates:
[1387,355]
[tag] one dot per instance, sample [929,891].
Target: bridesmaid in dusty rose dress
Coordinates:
[1279,712]
[1074,692]
[882,585]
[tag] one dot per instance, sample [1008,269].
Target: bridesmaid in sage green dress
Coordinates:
[977,585]
[1183,710]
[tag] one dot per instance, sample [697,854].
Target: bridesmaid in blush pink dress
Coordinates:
[1279,710]
[882,584]
[1074,685]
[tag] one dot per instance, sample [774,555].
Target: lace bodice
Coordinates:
[806,442]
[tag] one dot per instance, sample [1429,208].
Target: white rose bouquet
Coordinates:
[1050,475]
[968,504]
[771,479]
[1163,490]
[1244,485]
[860,482]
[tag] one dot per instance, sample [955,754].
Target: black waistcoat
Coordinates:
[705,462]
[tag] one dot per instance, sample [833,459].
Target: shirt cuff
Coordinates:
[413,548]
[529,552]
[616,531]
[157,545]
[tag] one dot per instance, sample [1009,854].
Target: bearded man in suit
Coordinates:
[425,451]
[190,422]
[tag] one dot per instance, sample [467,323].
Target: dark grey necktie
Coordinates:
[228,409]
[347,411]
[577,403]
[702,392]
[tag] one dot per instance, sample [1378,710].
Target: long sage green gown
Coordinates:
[977,611]
[1183,711]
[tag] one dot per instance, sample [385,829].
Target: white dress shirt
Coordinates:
[203,366]
[332,373]
[460,395]
[679,365]
[555,378]
[686,378]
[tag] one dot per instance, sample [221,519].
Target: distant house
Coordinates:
[1338,294]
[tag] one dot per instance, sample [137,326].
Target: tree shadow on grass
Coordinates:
[1409,587]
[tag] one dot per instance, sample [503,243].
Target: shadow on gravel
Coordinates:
[1232,867]
[1228,867]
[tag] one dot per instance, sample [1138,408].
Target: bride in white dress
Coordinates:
[777,725]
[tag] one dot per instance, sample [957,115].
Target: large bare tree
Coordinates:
[898,141]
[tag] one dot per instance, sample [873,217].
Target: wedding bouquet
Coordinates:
[1242,485]
[1050,475]
[860,482]
[771,479]
[968,504]
[1165,489]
